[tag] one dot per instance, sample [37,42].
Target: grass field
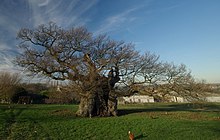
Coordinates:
[147,122]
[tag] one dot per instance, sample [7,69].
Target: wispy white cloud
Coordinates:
[3,47]
[31,13]
[6,62]
[43,2]
[63,13]
[7,56]
[118,20]
[9,18]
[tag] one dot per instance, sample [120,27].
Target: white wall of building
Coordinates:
[213,99]
[150,99]
[138,99]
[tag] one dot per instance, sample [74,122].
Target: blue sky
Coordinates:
[180,31]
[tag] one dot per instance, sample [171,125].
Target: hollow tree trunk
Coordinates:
[86,106]
[101,100]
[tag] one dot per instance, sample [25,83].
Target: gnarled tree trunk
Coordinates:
[101,100]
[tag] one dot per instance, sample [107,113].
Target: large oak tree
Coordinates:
[94,64]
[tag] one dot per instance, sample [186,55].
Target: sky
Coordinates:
[179,31]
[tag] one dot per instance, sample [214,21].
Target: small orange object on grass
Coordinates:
[131,135]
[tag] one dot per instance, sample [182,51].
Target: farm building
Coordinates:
[147,99]
[136,99]
[213,99]
[168,98]
[176,99]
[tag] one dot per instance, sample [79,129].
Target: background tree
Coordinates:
[162,80]
[175,78]
[9,86]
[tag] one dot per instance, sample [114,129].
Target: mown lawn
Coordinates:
[147,122]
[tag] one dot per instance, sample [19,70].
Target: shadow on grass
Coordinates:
[35,113]
[10,114]
[192,107]
[140,137]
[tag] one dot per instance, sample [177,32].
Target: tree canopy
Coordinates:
[94,64]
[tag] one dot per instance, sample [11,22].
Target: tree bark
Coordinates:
[101,103]
[101,100]
[112,104]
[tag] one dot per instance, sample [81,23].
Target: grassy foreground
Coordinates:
[148,121]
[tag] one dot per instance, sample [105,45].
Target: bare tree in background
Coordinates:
[154,78]
[178,81]
[7,82]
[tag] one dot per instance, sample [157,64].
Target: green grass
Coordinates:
[148,121]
